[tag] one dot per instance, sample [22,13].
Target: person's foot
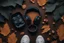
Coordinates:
[40,39]
[25,39]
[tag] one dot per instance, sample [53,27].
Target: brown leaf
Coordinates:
[60,32]
[5,30]
[33,1]
[41,2]
[62,18]
[46,28]
[0,40]
[12,38]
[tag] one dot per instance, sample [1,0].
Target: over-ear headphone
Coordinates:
[37,19]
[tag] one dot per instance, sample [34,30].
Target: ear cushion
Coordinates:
[18,20]
[32,9]
[37,20]
[28,20]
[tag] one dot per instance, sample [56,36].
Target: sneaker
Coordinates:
[25,39]
[40,39]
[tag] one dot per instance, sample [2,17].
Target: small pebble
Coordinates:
[43,22]
[22,33]
[53,23]
[15,31]
[46,15]
[49,33]
[46,20]
[43,8]
[12,29]
[53,31]
[48,39]
[24,6]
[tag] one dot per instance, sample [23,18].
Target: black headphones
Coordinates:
[37,19]
[32,27]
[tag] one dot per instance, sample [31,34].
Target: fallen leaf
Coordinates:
[5,30]
[62,18]
[41,2]
[60,32]
[59,11]
[46,28]
[11,3]
[12,38]
[33,1]
[0,40]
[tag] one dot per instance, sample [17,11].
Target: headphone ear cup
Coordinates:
[37,20]
[28,20]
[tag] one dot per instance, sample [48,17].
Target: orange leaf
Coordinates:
[12,38]
[0,40]
[46,28]
[5,30]
[33,1]
[60,32]
[62,18]
[41,2]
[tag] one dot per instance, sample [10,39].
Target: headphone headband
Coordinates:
[32,9]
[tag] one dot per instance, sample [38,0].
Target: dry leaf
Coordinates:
[41,2]
[5,30]
[60,32]
[54,41]
[12,38]
[46,28]
[62,18]
[0,40]
[33,1]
